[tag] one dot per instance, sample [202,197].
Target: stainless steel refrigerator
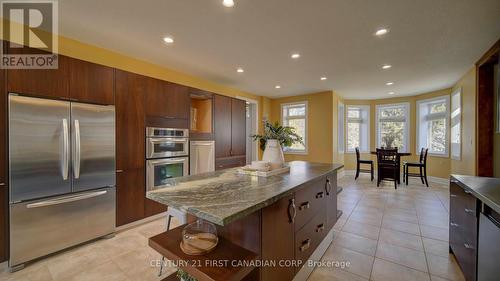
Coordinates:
[61,175]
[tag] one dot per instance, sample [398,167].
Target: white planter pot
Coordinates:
[273,153]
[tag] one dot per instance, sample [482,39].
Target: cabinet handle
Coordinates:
[292,211]
[469,211]
[328,186]
[468,246]
[119,171]
[453,181]
[320,227]
[304,206]
[453,195]
[467,191]
[2,183]
[454,224]
[305,245]
[319,195]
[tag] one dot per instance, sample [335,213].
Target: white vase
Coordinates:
[273,153]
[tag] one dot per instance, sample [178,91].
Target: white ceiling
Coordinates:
[431,43]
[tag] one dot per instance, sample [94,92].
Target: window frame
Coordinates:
[406,107]
[364,107]
[460,102]
[306,120]
[341,133]
[446,114]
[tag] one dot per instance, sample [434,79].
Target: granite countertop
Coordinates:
[483,188]
[222,197]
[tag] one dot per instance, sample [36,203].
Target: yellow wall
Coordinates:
[467,165]
[437,166]
[320,121]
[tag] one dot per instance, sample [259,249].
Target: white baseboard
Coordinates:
[431,179]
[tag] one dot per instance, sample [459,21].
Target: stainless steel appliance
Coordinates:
[488,248]
[201,157]
[160,144]
[62,175]
[159,171]
[166,142]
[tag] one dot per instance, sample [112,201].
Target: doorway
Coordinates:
[252,126]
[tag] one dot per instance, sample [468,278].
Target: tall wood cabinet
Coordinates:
[3,170]
[90,82]
[230,132]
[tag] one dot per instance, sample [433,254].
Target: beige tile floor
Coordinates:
[384,234]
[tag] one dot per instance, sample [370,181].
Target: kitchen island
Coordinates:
[285,220]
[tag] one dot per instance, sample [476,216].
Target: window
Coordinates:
[456,125]
[393,126]
[432,125]
[358,128]
[340,136]
[295,115]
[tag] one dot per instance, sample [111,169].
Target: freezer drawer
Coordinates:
[41,227]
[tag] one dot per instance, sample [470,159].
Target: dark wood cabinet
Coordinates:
[130,146]
[168,100]
[278,244]
[51,83]
[238,127]
[90,82]
[230,131]
[330,185]
[463,230]
[222,124]
[3,170]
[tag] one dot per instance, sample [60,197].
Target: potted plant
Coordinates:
[274,138]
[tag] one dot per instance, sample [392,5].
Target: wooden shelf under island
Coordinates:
[286,220]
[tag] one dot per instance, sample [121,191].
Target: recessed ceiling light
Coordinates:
[228,3]
[381,31]
[391,93]
[168,39]
[295,56]
[386,66]
[277,87]
[389,83]
[323,78]
[240,70]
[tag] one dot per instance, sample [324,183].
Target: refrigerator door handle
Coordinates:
[65,158]
[77,156]
[66,199]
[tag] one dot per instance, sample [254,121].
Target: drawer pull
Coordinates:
[305,245]
[320,227]
[304,206]
[453,195]
[319,195]
[466,191]
[292,211]
[454,224]
[468,246]
[453,181]
[2,183]
[469,211]
[119,171]
[328,186]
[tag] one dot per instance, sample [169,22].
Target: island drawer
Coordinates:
[309,200]
[310,236]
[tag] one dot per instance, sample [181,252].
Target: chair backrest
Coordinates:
[387,155]
[422,152]
[425,152]
[357,154]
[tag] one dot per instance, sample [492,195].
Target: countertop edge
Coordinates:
[487,201]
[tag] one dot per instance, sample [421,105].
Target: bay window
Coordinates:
[393,126]
[432,125]
[456,125]
[358,128]
[295,115]
[340,128]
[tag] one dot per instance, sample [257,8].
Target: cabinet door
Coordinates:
[330,184]
[222,124]
[170,100]
[130,195]
[278,239]
[130,146]
[238,127]
[152,208]
[3,170]
[90,82]
[51,83]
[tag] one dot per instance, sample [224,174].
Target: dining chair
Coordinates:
[421,164]
[360,161]
[387,165]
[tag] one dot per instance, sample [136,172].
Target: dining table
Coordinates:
[400,154]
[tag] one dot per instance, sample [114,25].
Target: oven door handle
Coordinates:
[163,161]
[177,140]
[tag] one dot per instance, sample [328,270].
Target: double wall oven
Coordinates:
[167,153]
